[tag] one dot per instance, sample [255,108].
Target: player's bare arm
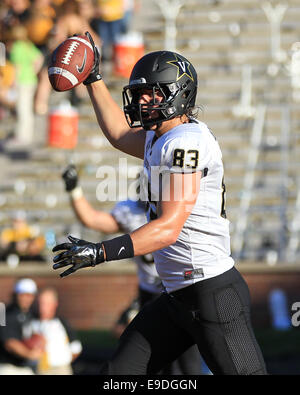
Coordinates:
[112,122]
[156,235]
[100,221]
[110,117]
[172,214]
[95,219]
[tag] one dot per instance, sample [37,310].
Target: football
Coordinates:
[71,63]
[35,341]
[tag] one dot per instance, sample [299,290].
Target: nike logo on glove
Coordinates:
[81,68]
[121,249]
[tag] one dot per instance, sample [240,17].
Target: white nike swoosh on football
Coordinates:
[121,249]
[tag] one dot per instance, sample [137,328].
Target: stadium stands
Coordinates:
[246,94]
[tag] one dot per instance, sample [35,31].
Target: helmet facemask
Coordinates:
[177,98]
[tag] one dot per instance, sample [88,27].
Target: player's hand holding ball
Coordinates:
[74,61]
[95,71]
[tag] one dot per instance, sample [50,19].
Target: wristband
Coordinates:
[76,193]
[118,248]
[92,78]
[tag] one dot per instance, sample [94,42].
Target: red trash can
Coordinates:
[63,127]
[127,51]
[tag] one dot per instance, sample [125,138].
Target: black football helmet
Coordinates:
[166,72]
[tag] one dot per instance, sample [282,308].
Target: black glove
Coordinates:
[78,254]
[70,177]
[95,73]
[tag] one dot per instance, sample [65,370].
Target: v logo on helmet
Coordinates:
[182,65]
[183,68]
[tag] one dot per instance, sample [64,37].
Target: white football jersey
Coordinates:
[131,215]
[202,249]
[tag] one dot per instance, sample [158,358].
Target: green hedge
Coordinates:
[274,343]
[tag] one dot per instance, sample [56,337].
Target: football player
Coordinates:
[206,301]
[125,217]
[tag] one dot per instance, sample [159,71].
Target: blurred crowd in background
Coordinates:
[35,340]
[30,30]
